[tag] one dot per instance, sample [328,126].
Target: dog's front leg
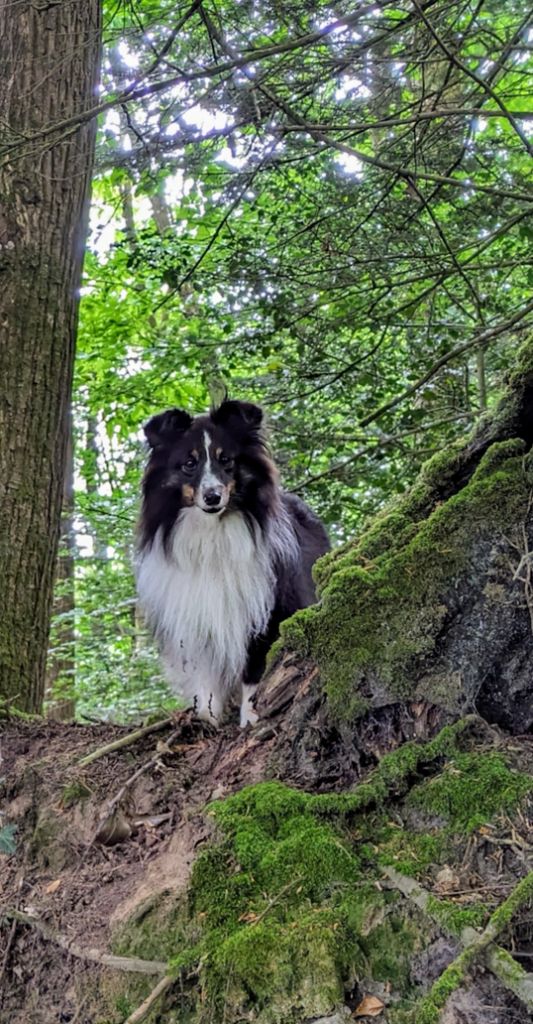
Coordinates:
[207,701]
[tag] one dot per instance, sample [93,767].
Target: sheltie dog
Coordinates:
[224,554]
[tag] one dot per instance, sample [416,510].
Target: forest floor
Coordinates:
[96,843]
[84,860]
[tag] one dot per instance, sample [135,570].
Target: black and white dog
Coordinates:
[224,553]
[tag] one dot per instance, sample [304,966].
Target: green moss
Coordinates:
[73,792]
[285,909]
[384,597]
[430,1008]
[411,853]
[521,895]
[513,971]
[9,711]
[278,920]
[266,904]
[470,790]
[393,772]
[453,918]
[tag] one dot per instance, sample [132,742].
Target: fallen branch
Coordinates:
[132,964]
[474,944]
[143,1010]
[124,741]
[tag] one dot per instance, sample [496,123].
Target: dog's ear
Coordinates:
[250,415]
[166,427]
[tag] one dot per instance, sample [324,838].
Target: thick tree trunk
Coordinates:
[48,73]
[60,668]
[425,617]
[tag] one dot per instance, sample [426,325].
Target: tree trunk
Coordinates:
[48,73]
[431,608]
[61,663]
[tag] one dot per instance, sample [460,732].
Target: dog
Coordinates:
[224,554]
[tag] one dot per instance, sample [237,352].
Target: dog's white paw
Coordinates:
[249,715]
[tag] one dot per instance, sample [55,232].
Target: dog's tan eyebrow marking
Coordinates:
[196,453]
[218,452]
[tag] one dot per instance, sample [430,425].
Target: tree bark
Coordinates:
[426,617]
[61,663]
[48,73]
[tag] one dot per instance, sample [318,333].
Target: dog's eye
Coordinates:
[191,463]
[225,460]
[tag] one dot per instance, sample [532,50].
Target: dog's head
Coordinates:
[214,462]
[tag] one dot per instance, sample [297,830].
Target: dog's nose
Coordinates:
[212,498]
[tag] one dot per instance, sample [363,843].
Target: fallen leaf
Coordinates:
[53,886]
[370,1006]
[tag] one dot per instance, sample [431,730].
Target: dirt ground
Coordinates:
[80,866]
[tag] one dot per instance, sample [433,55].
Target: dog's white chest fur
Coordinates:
[207,597]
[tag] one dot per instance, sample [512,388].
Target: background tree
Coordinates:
[48,73]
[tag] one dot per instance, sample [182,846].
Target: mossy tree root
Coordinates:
[475,944]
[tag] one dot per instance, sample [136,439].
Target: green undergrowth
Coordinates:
[383,598]
[286,909]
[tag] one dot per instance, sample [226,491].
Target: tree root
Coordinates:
[119,963]
[474,944]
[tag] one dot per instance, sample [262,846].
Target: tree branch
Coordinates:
[482,339]
[487,88]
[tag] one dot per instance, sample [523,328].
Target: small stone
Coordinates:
[447,880]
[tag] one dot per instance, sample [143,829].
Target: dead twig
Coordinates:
[114,803]
[132,964]
[143,1010]
[275,899]
[124,741]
